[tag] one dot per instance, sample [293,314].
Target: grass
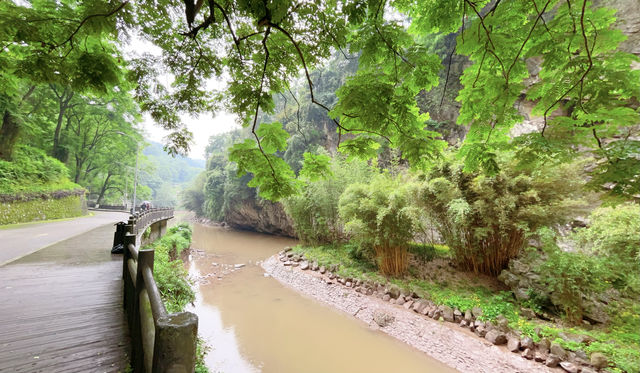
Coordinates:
[620,341]
[173,279]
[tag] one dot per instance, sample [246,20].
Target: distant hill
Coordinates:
[168,175]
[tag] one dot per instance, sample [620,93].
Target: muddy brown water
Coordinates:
[255,324]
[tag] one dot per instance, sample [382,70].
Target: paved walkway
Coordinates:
[61,307]
[27,238]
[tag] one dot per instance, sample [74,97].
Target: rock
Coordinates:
[513,344]
[587,370]
[578,338]
[481,331]
[468,316]
[599,360]
[296,258]
[544,345]
[295,264]
[393,291]
[408,304]
[400,300]
[382,318]
[569,367]
[386,297]
[348,284]
[463,323]
[419,306]
[552,361]
[528,313]
[502,323]
[581,355]
[425,311]
[287,263]
[266,275]
[287,249]
[369,292]
[476,312]
[521,294]
[526,342]
[323,270]
[331,276]
[289,255]
[528,354]
[304,266]
[447,313]
[557,350]
[457,315]
[314,266]
[496,337]
[540,357]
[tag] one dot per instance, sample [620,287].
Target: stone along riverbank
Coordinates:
[407,319]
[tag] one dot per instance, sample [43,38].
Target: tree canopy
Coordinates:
[583,87]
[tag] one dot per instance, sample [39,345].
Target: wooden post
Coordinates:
[175,344]
[128,290]
[145,259]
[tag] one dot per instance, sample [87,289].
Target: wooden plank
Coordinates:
[61,309]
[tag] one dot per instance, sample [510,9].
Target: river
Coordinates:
[255,324]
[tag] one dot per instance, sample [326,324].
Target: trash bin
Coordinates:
[118,238]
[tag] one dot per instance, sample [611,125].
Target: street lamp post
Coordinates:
[135,177]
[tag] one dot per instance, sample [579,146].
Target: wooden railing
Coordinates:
[160,342]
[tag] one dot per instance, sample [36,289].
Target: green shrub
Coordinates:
[614,233]
[423,253]
[171,276]
[314,211]
[380,215]
[32,170]
[485,219]
[570,276]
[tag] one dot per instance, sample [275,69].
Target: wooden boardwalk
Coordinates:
[61,308]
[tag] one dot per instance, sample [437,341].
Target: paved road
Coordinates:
[22,240]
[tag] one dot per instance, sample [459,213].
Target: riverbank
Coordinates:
[454,346]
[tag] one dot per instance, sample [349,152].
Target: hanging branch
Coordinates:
[584,75]
[255,117]
[106,15]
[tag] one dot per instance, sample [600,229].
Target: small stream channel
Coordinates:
[255,324]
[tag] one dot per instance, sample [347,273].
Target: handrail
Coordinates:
[160,342]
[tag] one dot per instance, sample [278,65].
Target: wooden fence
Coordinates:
[160,342]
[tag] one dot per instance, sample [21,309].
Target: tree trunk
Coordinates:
[8,136]
[63,102]
[103,189]
[10,130]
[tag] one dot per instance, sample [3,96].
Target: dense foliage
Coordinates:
[580,89]
[485,220]
[33,171]
[314,211]
[382,219]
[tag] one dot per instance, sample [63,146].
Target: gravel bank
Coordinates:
[445,342]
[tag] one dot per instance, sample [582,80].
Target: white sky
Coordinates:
[202,128]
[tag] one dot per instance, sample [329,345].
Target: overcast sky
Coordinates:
[202,128]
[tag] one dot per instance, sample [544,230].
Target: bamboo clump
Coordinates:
[393,261]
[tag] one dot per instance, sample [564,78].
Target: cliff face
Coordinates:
[260,216]
[628,21]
